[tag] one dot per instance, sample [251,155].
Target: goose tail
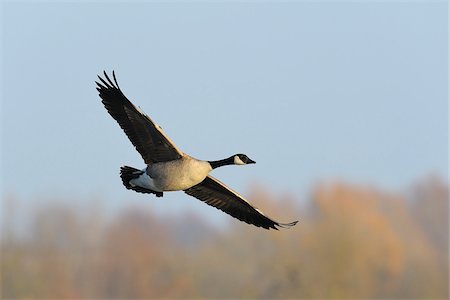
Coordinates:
[129,173]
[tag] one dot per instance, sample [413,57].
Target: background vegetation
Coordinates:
[351,242]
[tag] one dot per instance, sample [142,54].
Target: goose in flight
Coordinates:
[170,169]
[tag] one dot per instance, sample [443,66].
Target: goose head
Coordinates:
[237,159]
[242,159]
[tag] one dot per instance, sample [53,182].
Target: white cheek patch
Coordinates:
[238,161]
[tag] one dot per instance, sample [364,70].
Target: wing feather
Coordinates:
[146,136]
[215,193]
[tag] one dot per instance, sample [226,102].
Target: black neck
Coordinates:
[223,162]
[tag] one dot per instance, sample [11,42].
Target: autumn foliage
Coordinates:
[351,242]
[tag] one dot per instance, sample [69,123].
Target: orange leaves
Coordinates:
[351,242]
[356,239]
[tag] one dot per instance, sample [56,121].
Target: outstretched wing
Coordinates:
[217,194]
[148,138]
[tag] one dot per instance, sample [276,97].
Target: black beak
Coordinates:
[249,161]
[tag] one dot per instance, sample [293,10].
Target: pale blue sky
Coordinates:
[312,91]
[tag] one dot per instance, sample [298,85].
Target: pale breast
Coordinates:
[178,174]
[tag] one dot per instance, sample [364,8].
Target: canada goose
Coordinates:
[170,169]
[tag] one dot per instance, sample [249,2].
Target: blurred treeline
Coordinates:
[351,242]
